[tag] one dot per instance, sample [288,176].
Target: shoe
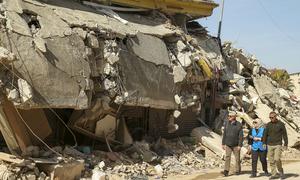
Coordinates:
[281,174]
[238,173]
[273,177]
[253,176]
[266,173]
[226,173]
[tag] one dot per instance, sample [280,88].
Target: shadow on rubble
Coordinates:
[140,18]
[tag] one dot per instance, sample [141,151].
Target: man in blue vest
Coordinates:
[258,149]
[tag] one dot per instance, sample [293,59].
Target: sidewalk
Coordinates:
[292,172]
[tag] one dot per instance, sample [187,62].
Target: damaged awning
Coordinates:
[199,8]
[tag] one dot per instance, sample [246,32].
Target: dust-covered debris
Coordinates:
[253,93]
[123,81]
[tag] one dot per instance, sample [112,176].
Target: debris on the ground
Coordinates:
[90,90]
[260,94]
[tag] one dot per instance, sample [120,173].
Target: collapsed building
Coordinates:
[97,74]
[99,69]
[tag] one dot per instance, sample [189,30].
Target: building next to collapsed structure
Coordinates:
[89,73]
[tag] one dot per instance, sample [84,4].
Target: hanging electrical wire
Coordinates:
[48,106]
[75,140]
[273,21]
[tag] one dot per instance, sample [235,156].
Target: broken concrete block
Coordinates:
[40,44]
[178,99]
[35,119]
[209,139]
[172,128]
[179,74]
[109,70]
[176,113]
[92,40]
[82,33]
[64,171]
[106,127]
[240,81]
[184,58]
[255,69]
[101,165]
[17,24]
[159,170]
[212,141]
[32,151]
[143,148]
[124,135]
[108,84]
[38,122]
[12,159]
[180,46]
[149,48]
[147,79]
[99,175]
[28,177]
[6,174]
[25,90]
[6,56]
[112,57]
[284,94]
[59,68]
[82,100]
[119,100]
[13,95]
[73,152]
[14,5]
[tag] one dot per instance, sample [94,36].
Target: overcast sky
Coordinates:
[269,29]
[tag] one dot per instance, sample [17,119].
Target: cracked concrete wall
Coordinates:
[54,48]
[69,55]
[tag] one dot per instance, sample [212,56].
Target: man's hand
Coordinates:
[249,150]
[256,139]
[223,147]
[285,148]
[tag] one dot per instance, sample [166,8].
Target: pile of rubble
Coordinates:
[178,158]
[253,94]
[163,159]
[100,62]
[115,76]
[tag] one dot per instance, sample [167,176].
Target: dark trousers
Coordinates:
[263,159]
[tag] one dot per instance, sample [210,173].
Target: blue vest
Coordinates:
[258,145]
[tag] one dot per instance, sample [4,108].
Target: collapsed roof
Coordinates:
[69,55]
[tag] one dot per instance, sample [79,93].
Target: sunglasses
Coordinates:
[254,122]
[272,117]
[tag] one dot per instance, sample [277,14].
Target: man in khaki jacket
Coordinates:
[275,133]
